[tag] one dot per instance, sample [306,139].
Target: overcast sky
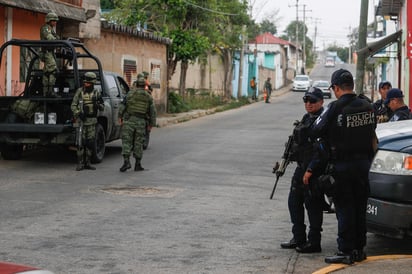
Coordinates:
[333,18]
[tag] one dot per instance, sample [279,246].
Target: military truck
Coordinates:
[32,115]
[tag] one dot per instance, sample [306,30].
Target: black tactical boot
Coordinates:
[289,245]
[88,166]
[79,164]
[138,166]
[358,255]
[339,258]
[126,165]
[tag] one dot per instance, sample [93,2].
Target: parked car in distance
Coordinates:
[301,83]
[324,86]
[389,207]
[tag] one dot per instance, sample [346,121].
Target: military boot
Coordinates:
[126,165]
[88,166]
[80,165]
[138,166]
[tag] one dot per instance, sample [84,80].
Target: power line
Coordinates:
[210,10]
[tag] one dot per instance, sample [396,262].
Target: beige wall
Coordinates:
[113,48]
[198,76]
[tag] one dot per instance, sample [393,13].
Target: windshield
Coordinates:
[301,78]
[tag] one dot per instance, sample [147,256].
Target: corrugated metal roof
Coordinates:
[135,32]
[44,6]
[390,7]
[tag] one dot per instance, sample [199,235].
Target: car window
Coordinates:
[302,78]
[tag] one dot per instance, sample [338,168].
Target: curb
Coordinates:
[168,119]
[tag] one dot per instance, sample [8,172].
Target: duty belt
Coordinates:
[139,115]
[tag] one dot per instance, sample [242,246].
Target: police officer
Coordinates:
[383,113]
[86,102]
[48,32]
[300,195]
[394,102]
[136,108]
[348,127]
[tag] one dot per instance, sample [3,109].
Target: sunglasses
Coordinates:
[311,100]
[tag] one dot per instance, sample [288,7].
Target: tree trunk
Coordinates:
[228,68]
[182,85]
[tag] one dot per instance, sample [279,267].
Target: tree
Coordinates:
[268,26]
[196,27]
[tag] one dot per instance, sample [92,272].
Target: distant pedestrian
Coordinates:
[48,32]
[253,87]
[267,88]
[382,112]
[394,101]
[136,112]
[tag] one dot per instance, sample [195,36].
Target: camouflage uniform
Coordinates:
[86,102]
[47,32]
[136,108]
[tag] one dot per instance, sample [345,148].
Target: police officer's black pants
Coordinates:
[350,203]
[300,197]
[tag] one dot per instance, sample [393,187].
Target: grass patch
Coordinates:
[202,100]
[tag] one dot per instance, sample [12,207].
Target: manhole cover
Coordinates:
[142,191]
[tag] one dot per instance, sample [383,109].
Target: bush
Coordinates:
[201,99]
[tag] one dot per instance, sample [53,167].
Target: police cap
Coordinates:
[342,77]
[314,93]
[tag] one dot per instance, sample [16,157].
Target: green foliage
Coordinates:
[343,53]
[201,99]
[268,26]
[106,4]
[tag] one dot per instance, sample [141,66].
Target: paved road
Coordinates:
[201,206]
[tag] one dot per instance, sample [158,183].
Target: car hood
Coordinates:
[395,136]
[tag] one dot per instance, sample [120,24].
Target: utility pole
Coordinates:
[304,39]
[316,34]
[350,47]
[297,36]
[360,66]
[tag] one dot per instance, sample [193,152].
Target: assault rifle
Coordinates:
[79,130]
[279,169]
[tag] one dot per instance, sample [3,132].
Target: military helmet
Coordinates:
[90,77]
[145,73]
[51,16]
[140,82]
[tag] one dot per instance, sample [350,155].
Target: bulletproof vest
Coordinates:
[89,107]
[301,143]
[138,102]
[353,128]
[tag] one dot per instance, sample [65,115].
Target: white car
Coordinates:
[323,85]
[301,83]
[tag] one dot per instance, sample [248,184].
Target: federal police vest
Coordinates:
[353,127]
[138,102]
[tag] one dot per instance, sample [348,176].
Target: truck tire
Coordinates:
[99,145]
[12,152]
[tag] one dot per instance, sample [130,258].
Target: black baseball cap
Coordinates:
[393,93]
[314,93]
[385,83]
[340,77]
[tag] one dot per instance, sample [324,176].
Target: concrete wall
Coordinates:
[115,49]
[209,76]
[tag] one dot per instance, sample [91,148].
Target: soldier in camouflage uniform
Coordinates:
[136,108]
[48,32]
[86,102]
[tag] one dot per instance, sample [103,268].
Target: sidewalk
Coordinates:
[166,119]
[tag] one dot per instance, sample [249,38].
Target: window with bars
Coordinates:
[129,70]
